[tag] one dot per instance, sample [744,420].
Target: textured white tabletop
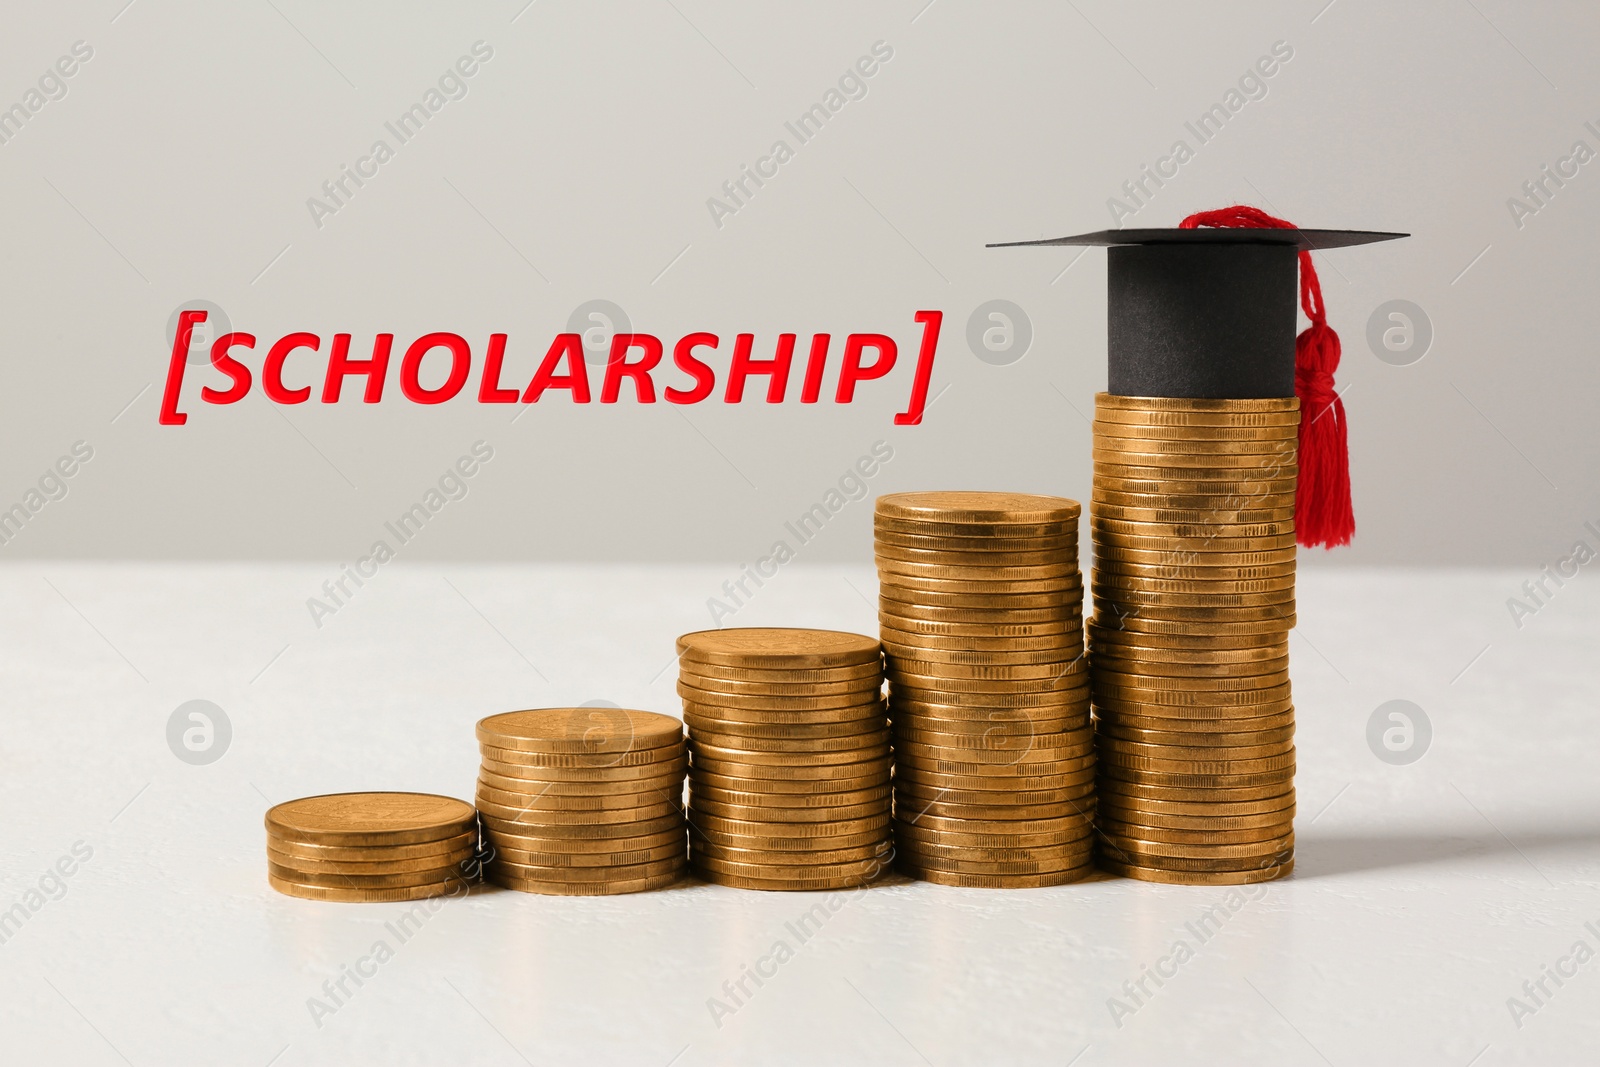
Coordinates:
[1443,911]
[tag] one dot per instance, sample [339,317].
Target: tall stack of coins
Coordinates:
[371,846]
[789,751]
[980,608]
[1193,526]
[582,801]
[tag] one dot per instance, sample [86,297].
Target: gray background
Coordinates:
[178,165]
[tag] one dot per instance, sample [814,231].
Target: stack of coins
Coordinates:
[980,608]
[372,846]
[1193,526]
[582,801]
[789,750]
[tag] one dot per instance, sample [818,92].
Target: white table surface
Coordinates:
[1425,895]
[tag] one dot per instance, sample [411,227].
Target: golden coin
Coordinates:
[431,864]
[524,816]
[1077,794]
[1161,432]
[559,793]
[1121,645]
[1154,820]
[1115,681]
[1005,739]
[809,699]
[1138,800]
[855,691]
[1069,635]
[913,587]
[1201,420]
[580,849]
[1109,402]
[1244,486]
[769,771]
[1227,519]
[862,716]
[508,880]
[1137,624]
[1109,544]
[1265,446]
[1154,670]
[936,678]
[930,528]
[987,508]
[808,731]
[1151,874]
[1125,748]
[1000,722]
[678,849]
[1120,462]
[917,807]
[788,857]
[910,862]
[583,774]
[910,792]
[794,883]
[353,895]
[757,799]
[711,824]
[1197,566]
[1064,666]
[822,675]
[789,758]
[1113,635]
[427,850]
[1191,703]
[912,759]
[1066,598]
[1161,853]
[652,757]
[773,814]
[775,647]
[1019,777]
[997,881]
[989,555]
[1036,703]
[1070,833]
[778,845]
[1115,549]
[582,831]
[791,745]
[1110,759]
[626,872]
[1142,597]
[922,618]
[584,730]
[879,776]
[341,880]
[1113,580]
[1209,739]
[1219,502]
[1194,786]
[1201,731]
[522,801]
[913,575]
[1151,610]
[885,538]
[940,854]
[1117,829]
[821,872]
[370,819]
[998,625]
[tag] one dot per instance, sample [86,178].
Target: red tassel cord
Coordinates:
[1322,511]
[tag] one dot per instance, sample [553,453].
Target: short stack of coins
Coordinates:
[372,846]
[789,757]
[583,801]
[980,610]
[1193,527]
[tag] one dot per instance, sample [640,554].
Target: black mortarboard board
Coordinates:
[1204,312]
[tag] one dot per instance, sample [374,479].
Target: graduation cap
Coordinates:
[1209,310]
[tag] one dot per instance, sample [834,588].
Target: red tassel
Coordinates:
[1322,511]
